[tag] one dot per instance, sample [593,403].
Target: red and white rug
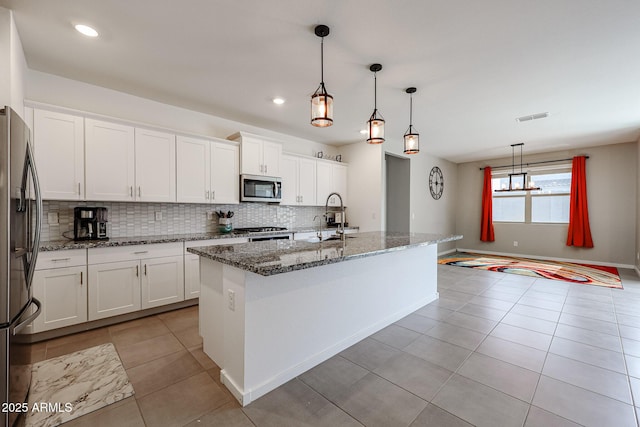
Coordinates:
[585,274]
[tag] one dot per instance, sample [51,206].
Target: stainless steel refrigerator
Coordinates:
[20,218]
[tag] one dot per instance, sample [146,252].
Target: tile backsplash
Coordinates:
[128,219]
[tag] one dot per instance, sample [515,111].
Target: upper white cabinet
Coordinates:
[110,161]
[207,171]
[331,177]
[59,151]
[298,180]
[258,155]
[129,164]
[225,174]
[193,169]
[155,159]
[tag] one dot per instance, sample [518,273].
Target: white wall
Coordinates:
[611,190]
[365,207]
[55,90]
[13,65]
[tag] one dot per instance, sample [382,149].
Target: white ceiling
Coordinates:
[477,64]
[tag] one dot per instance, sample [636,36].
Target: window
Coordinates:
[548,205]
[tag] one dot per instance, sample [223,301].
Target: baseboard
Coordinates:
[544,258]
[247,396]
[447,252]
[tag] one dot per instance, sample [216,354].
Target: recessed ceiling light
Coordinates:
[536,116]
[86,30]
[278,101]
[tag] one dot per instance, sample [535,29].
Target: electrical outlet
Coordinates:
[515,243]
[52,218]
[231,299]
[158,216]
[209,216]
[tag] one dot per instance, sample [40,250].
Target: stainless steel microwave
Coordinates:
[254,188]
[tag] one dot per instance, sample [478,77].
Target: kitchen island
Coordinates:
[271,310]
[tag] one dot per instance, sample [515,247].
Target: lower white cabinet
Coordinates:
[162,281]
[115,289]
[192,263]
[62,289]
[131,278]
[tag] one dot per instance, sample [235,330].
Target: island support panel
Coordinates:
[283,325]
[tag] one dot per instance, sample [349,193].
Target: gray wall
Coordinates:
[398,193]
[611,186]
[637,255]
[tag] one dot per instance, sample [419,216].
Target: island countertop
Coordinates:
[271,257]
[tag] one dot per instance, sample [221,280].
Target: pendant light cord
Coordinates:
[375,92]
[410,111]
[322,61]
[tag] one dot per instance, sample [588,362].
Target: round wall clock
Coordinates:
[436,182]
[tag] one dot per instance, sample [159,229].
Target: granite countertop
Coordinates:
[58,245]
[281,256]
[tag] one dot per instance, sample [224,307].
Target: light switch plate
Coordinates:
[158,216]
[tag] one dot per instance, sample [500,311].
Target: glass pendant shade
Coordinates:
[375,124]
[411,136]
[321,108]
[321,101]
[411,141]
[376,129]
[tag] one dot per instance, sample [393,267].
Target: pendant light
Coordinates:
[517,185]
[411,137]
[321,101]
[376,122]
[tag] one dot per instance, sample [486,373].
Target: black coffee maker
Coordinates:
[90,223]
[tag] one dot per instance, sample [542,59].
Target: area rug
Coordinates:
[72,385]
[585,274]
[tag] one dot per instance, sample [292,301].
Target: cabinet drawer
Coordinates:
[214,242]
[59,259]
[136,252]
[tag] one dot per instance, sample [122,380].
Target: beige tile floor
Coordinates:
[494,350]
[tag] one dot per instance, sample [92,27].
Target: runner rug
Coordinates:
[585,274]
[72,385]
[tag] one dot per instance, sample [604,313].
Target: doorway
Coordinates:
[398,190]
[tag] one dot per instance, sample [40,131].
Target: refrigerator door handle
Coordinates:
[20,326]
[34,247]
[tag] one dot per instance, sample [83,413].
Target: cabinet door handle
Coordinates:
[265,168]
[206,195]
[145,269]
[139,191]
[137,271]
[213,195]
[81,278]
[131,191]
[140,252]
[61,259]
[79,192]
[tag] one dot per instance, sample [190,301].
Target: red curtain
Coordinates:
[579,230]
[486,225]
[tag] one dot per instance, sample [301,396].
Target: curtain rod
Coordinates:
[532,163]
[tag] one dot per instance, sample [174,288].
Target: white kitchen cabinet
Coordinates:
[114,289]
[298,180]
[155,166]
[225,175]
[192,263]
[207,171]
[59,151]
[331,177]
[130,278]
[258,155]
[162,281]
[109,161]
[193,170]
[60,283]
